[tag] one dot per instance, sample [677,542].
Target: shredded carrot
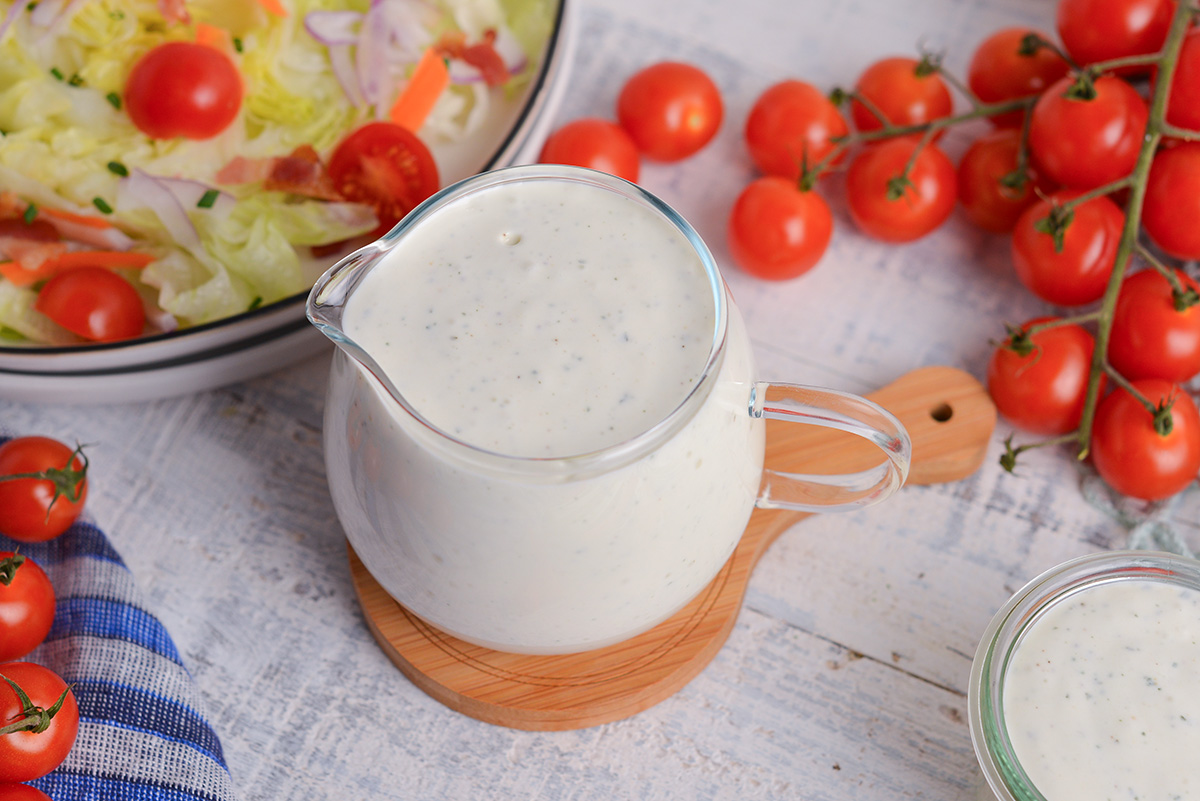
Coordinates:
[19,276]
[428,81]
[274,7]
[73,260]
[79,219]
[214,36]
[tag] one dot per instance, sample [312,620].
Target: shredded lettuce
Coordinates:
[63,130]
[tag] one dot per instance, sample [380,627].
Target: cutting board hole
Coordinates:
[942,413]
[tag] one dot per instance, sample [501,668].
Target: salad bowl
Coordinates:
[276,334]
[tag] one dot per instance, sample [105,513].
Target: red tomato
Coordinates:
[593,143]
[93,302]
[670,110]
[896,88]
[42,507]
[987,200]
[21,792]
[28,755]
[1134,458]
[1149,337]
[1084,144]
[1078,273]
[1171,207]
[792,123]
[1098,30]
[26,605]
[777,230]
[385,166]
[999,71]
[1043,392]
[1183,107]
[183,89]
[885,207]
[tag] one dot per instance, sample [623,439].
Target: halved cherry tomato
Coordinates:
[33,508]
[991,191]
[93,302]
[890,208]
[1099,30]
[596,144]
[670,110]
[26,605]
[790,124]
[1150,338]
[183,89]
[902,91]
[28,755]
[1077,273]
[384,166]
[1000,70]
[777,230]
[1171,207]
[1136,459]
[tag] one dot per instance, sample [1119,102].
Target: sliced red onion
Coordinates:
[10,17]
[99,238]
[333,27]
[189,194]
[140,190]
[159,319]
[371,55]
[54,14]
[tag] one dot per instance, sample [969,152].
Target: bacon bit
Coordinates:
[301,173]
[11,206]
[481,55]
[174,11]
[30,254]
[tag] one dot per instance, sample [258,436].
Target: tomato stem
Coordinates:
[67,480]
[32,718]
[1033,42]
[9,567]
[1008,459]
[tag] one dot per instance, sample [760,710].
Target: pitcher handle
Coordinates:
[829,408]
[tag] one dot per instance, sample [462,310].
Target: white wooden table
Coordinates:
[845,677]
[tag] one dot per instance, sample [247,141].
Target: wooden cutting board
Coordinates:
[950,418]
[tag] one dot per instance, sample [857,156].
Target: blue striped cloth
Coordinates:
[141,734]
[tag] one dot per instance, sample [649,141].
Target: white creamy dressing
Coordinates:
[541,319]
[1101,697]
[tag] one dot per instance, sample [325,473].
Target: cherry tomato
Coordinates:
[593,143]
[1043,392]
[39,509]
[999,71]
[777,230]
[901,92]
[385,166]
[913,208]
[670,110]
[1171,207]
[26,605]
[1183,107]
[1134,458]
[28,755]
[791,124]
[1099,30]
[21,792]
[183,89]
[1084,144]
[93,302]
[1149,337]
[987,197]
[1078,273]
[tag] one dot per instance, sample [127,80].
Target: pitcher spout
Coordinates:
[327,300]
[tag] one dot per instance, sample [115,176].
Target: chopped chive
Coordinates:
[237,44]
[56,72]
[254,304]
[75,80]
[102,204]
[114,99]
[207,200]
[117,168]
[30,214]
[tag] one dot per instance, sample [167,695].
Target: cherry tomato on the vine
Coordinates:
[26,605]
[1099,30]
[1000,70]
[28,755]
[1132,456]
[777,230]
[1077,273]
[791,124]
[1150,338]
[670,110]
[1183,107]
[1171,207]
[1043,391]
[183,89]
[39,509]
[593,143]
[385,166]
[1083,143]
[93,302]
[993,194]
[893,209]
[21,792]
[903,91]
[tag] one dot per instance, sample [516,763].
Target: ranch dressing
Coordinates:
[1101,698]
